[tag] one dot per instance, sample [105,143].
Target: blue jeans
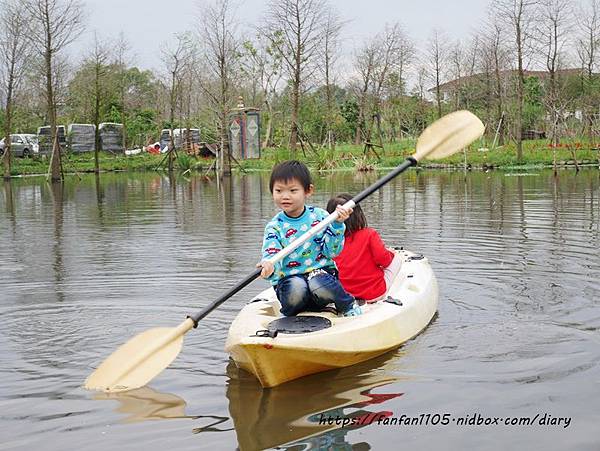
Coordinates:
[297,294]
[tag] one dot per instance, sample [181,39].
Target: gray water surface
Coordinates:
[88,264]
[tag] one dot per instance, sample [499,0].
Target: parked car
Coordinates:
[20,146]
[33,139]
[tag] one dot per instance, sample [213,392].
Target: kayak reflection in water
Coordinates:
[307,413]
[345,422]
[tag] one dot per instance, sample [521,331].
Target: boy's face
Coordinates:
[289,195]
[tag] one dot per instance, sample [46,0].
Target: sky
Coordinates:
[146,24]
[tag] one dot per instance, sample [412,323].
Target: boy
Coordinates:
[305,280]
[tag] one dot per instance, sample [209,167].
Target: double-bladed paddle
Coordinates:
[142,358]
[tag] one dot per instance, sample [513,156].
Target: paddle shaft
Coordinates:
[410,161]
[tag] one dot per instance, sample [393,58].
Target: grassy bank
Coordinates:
[346,156]
[535,154]
[84,162]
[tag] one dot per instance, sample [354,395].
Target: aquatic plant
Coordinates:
[363,164]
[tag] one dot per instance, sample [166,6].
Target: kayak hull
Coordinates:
[350,340]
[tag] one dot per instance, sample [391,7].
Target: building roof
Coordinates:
[452,84]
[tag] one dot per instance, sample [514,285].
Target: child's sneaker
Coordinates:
[355,310]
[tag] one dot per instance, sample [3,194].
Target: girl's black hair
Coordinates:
[288,170]
[357,219]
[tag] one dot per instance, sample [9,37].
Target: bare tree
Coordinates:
[519,15]
[588,46]
[261,64]
[394,53]
[472,54]
[381,64]
[187,101]
[97,60]
[331,43]
[588,42]
[221,52]
[487,76]
[494,58]
[421,83]
[456,59]
[463,56]
[54,25]
[14,53]
[437,54]
[177,60]
[364,64]
[297,26]
[121,51]
[557,18]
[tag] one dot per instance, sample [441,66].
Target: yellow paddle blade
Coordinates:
[139,360]
[448,135]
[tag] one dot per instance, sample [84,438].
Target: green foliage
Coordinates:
[141,126]
[312,118]
[280,155]
[123,91]
[349,112]
[114,114]
[186,162]
[533,108]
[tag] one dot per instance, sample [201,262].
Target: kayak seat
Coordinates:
[298,324]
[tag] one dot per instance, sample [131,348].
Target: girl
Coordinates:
[366,267]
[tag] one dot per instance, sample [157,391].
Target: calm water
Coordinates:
[85,266]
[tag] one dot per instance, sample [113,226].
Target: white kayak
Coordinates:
[277,349]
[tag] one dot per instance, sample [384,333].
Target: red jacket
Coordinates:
[361,264]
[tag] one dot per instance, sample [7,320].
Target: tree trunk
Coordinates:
[223,119]
[226,169]
[361,114]
[267,141]
[295,108]
[438,94]
[519,121]
[55,163]
[520,95]
[124,118]
[7,126]
[500,103]
[359,122]
[329,103]
[97,122]
[171,151]
[296,93]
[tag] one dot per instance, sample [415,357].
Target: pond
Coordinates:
[88,264]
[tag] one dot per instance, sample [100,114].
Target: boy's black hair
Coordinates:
[357,219]
[288,170]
